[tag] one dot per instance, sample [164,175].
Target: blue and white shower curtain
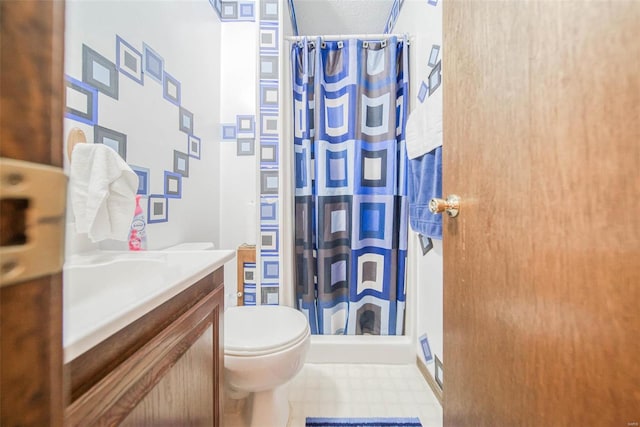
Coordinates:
[350,101]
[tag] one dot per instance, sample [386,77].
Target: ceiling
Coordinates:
[330,17]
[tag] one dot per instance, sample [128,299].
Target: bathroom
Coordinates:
[214,78]
[240,138]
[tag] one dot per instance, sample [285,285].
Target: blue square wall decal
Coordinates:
[433,55]
[153,63]
[268,96]
[271,269]
[143,179]
[194,146]
[269,124]
[111,138]
[269,184]
[228,131]
[81,101]
[245,146]
[229,10]
[435,78]
[268,38]
[129,60]
[99,72]
[217,6]
[245,124]
[157,209]
[246,11]
[186,121]
[269,211]
[270,294]
[249,294]
[269,67]
[172,185]
[269,10]
[426,348]
[269,240]
[170,89]
[181,163]
[269,153]
[249,272]
[422,93]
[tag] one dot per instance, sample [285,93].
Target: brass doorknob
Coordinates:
[451,205]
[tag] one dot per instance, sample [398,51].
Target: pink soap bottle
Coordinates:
[138,232]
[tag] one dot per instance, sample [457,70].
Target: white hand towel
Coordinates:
[424,126]
[103,192]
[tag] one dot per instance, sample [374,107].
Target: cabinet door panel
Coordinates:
[174,379]
[184,394]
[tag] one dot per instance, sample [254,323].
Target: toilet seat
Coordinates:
[264,329]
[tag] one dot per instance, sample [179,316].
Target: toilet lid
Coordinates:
[253,330]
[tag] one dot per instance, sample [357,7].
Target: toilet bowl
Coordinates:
[264,347]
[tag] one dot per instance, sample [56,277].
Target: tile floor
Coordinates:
[337,390]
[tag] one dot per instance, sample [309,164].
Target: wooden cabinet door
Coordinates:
[31,109]
[174,378]
[542,265]
[189,392]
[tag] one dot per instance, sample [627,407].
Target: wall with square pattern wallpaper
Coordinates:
[238,165]
[423,20]
[190,94]
[250,147]
[144,79]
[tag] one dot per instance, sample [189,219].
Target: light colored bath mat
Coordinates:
[363,422]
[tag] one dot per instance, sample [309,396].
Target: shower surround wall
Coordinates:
[144,78]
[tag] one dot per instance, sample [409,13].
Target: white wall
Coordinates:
[238,190]
[423,22]
[187,36]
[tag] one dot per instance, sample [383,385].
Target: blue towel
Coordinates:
[425,182]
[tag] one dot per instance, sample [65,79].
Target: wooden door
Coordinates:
[31,82]
[542,266]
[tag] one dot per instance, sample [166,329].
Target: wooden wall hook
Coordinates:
[76,136]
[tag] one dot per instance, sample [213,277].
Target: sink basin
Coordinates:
[105,291]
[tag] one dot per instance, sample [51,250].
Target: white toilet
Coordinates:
[264,347]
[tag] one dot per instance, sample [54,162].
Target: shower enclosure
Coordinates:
[348,195]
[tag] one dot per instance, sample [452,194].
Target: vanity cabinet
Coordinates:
[163,369]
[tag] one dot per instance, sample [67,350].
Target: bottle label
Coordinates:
[138,225]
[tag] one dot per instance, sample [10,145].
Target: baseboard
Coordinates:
[430,380]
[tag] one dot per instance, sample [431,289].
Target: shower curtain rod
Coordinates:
[347,36]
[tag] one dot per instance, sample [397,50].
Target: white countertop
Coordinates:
[108,290]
